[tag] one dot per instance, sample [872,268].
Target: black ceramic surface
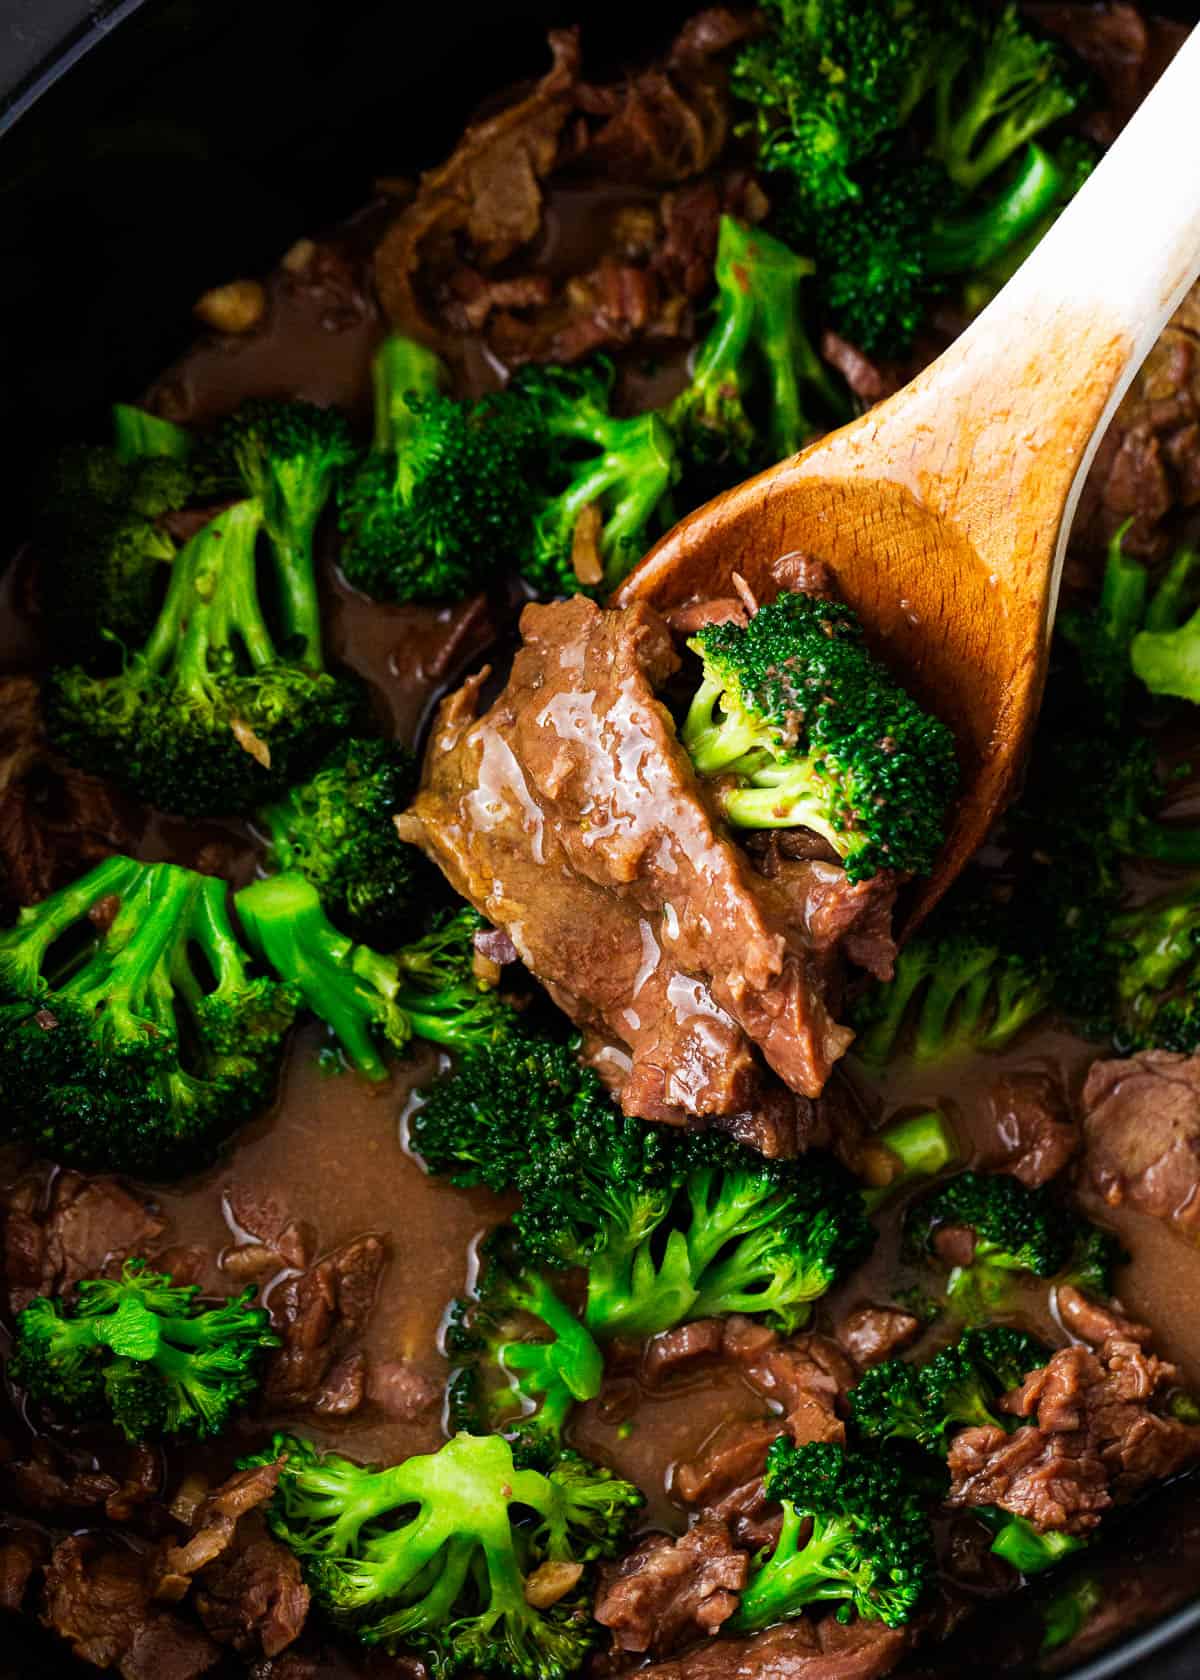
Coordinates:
[151,148]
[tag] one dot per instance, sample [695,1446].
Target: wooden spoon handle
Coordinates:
[996,436]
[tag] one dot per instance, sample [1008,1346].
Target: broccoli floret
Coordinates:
[1028,1549]
[286,456]
[1165,654]
[522,1358]
[1016,1230]
[443,499]
[805,728]
[337,830]
[103,552]
[374,1003]
[855,1533]
[142,1352]
[1158,955]
[132,1032]
[603,483]
[956,991]
[993,98]
[1065,1615]
[442,1552]
[1103,634]
[139,435]
[957,1388]
[208,716]
[743,406]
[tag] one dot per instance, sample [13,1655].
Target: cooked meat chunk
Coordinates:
[47,1482]
[22,1551]
[321,1315]
[681,1349]
[401,1388]
[667,1592]
[60,1229]
[1141,1128]
[269,1239]
[873,1334]
[1031,1133]
[1087,1319]
[1094,1438]
[569,816]
[96,1596]
[800,1650]
[213,1527]
[252,1598]
[807,1376]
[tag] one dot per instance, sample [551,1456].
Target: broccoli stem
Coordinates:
[1030,1550]
[212,610]
[578,1364]
[923,1144]
[789,356]
[139,436]
[638,453]
[401,369]
[796,1574]
[125,982]
[965,244]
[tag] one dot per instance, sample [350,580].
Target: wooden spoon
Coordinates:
[945,510]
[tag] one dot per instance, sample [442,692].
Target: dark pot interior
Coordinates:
[184,141]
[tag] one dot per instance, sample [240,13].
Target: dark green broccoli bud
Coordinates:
[603,483]
[374,1003]
[439,1553]
[743,407]
[995,96]
[919,1146]
[957,1388]
[1016,1230]
[855,1532]
[1066,1614]
[336,829]
[286,456]
[1028,1549]
[522,1358]
[956,991]
[139,435]
[207,716]
[143,1352]
[133,1034]
[443,500]
[806,728]
[1157,962]
[103,551]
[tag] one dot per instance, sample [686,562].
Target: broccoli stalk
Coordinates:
[1165,655]
[1028,1549]
[373,1003]
[286,456]
[918,1146]
[440,1553]
[139,435]
[336,829]
[854,1533]
[757,339]
[807,729]
[132,1031]
[208,715]
[1066,1614]
[1103,635]
[522,1357]
[141,1351]
[444,496]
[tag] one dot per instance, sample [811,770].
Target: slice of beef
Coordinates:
[320,1315]
[65,1227]
[808,1377]
[96,1596]
[1141,1129]
[1031,1132]
[801,1650]
[1088,1320]
[1053,1481]
[667,1592]
[872,1334]
[213,1527]
[405,1391]
[870,380]
[569,815]
[725,1479]
[253,1598]
[49,1482]
[269,1239]
[22,1553]
[681,1349]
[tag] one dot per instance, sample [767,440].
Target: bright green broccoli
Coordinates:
[209,715]
[522,1358]
[603,483]
[139,435]
[1028,1549]
[441,1553]
[1065,1615]
[1157,950]
[443,500]
[744,406]
[1016,1230]
[336,829]
[1165,653]
[374,1003]
[141,1351]
[805,728]
[920,1146]
[855,1533]
[286,456]
[957,1388]
[133,1032]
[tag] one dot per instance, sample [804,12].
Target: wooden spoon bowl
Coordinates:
[945,511]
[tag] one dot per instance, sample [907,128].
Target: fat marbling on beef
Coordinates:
[570,816]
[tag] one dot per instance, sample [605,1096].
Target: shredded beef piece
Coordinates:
[213,1527]
[1093,1438]
[780,1124]
[253,1598]
[873,1334]
[1141,1129]
[22,1551]
[400,1387]
[1033,1134]
[60,1229]
[954,1245]
[568,814]
[1088,1319]
[319,1315]
[801,1650]
[141,1483]
[265,1219]
[681,1349]
[97,1597]
[725,1479]
[496,946]
[48,1482]
[696,615]
[665,1591]
[870,380]
[808,1376]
